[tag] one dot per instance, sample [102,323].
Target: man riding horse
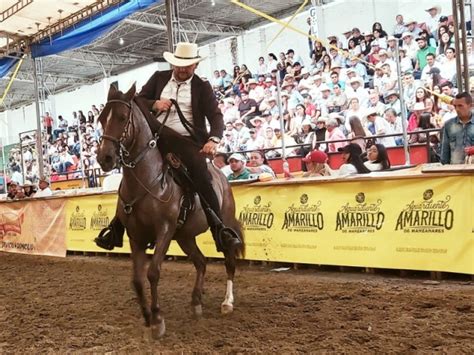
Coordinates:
[197,103]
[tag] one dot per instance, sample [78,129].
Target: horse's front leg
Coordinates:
[157,320]
[227,305]
[139,259]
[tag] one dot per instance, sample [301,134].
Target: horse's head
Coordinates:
[116,119]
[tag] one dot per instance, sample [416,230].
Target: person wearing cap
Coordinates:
[377,125]
[352,161]
[237,164]
[423,50]
[356,35]
[200,107]
[256,140]
[316,164]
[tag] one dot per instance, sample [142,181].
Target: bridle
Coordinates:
[124,160]
[123,152]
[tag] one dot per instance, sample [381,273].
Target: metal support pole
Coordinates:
[465,64]
[458,47]
[39,143]
[280,110]
[169,25]
[402,105]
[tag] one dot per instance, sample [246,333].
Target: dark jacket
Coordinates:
[203,102]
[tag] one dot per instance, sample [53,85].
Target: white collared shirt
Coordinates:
[181,92]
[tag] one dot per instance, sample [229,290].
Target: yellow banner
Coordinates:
[36,227]
[419,224]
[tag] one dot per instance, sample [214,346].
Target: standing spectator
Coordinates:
[432,21]
[82,119]
[458,132]
[262,67]
[272,63]
[48,125]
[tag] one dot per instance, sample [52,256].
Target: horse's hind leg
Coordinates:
[190,248]
[139,270]
[157,320]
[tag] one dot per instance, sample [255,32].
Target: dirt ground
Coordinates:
[86,304]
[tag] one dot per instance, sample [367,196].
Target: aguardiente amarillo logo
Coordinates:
[361,217]
[305,217]
[99,219]
[426,216]
[257,216]
[78,220]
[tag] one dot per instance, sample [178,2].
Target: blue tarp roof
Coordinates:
[90,29]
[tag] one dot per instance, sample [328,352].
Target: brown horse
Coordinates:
[149,204]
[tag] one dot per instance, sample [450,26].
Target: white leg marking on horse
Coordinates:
[198,310]
[228,305]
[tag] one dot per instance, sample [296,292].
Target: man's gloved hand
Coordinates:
[469,150]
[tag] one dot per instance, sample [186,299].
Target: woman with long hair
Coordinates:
[377,158]
[423,123]
[318,52]
[326,64]
[352,161]
[357,133]
[445,41]
[378,26]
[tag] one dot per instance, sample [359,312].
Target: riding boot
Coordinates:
[224,237]
[112,236]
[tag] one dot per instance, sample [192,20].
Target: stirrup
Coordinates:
[105,239]
[226,238]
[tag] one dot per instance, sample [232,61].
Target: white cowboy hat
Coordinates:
[185,54]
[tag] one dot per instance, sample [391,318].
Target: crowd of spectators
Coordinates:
[345,88]
[340,93]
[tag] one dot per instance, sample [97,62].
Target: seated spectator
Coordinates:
[255,141]
[220,162]
[333,133]
[395,123]
[338,100]
[316,164]
[377,158]
[357,133]
[414,119]
[242,134]
[258,164]
[12,188]
[289,142]
[379,126]
[248,107]
[237,164]
[320,134]
[28,189]
[352,161]
[423,123]
[230,111]
[43,188]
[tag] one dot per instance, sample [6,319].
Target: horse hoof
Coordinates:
[197,311]
[158,330]
[227,308]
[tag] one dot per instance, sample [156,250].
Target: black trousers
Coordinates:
[188,152]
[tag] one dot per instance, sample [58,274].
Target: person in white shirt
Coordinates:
[433,19]
[410,46]
[43,188]
[379,126]
[231,112]
[377,158]
[448,66]
[396,125]
[352,161]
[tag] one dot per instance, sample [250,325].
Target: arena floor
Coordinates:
[86,304]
